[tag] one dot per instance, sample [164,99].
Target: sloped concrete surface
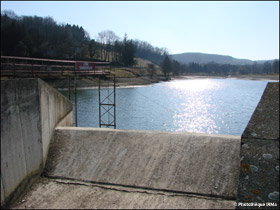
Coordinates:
[197,164]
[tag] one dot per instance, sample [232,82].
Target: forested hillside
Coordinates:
[42,37]
[221,64]
[203,58]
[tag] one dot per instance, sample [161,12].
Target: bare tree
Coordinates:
[106,39]
[101,40]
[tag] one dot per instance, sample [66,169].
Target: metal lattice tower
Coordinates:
[107,102]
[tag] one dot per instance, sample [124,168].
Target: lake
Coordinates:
[213,106]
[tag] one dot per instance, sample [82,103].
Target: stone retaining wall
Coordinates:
[259,168]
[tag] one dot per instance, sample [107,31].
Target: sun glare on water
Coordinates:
[195,109]
[195,85]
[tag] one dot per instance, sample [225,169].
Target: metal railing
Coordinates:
[23,67]
[12,66]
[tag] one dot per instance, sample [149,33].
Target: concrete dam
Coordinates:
[47,163]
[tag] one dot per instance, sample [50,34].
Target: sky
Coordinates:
[242,29]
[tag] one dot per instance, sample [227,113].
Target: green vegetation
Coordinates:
[43,38]
[225,69]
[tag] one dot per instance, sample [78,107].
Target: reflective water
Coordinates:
[222,106]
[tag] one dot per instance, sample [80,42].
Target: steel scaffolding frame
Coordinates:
[24,67]
[107,102]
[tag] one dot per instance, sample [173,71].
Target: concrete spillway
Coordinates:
[182,162]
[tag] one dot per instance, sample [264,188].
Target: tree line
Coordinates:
[42,37]
[174,67]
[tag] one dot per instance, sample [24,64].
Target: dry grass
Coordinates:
[133,72]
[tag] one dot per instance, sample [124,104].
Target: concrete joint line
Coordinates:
[109,188]
[159,191]
[132,191]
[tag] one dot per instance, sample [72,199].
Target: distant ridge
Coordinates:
[203,58]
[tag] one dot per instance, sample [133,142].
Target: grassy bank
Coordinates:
[125,76]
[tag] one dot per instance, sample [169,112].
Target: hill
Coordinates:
[203,58]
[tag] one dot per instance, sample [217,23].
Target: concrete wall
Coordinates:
[259,168]
[192,163]
[55,110]
[30,110]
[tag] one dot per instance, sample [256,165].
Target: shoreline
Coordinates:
[243,77]
[91,83]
